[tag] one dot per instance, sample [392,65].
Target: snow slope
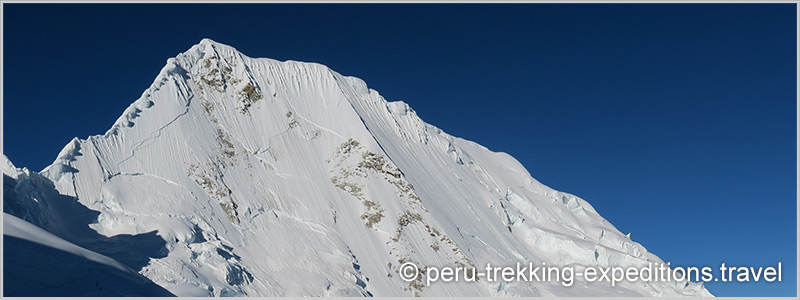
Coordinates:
[269,178]
[39,263]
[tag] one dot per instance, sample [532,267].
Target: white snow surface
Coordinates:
[270,178]
[38,263]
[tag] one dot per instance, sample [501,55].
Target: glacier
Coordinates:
[239,176]
[39,261]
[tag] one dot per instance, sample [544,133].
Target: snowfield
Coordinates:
[235,176]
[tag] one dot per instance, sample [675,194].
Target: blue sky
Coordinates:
[675,121]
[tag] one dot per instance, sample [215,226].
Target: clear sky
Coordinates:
[675,121]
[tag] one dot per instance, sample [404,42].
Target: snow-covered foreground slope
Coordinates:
[39,263]
[268,178]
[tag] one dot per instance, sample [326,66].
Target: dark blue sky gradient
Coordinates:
[675,121]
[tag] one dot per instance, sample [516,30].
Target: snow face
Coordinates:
[269,178]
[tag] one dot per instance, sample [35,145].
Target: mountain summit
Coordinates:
[239,176]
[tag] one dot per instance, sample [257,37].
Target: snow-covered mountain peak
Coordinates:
[262,177]
[8,166]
